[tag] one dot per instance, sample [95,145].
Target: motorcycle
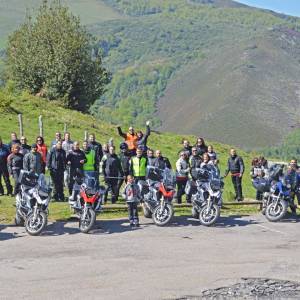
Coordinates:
[276,191]
[206,194]
[32,202]
[86,201]
[157,192]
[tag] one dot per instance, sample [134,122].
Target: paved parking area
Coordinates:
[116,262]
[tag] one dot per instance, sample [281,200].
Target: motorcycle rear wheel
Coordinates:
[209,218]
[35,227]
[163,217]
[86,224]
[276,213]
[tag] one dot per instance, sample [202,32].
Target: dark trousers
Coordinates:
[133,212]
[71,179]
[121,181]
[57,177]
[5,175]
[113,186]
[259,195]
[237,184]
[181,191]
[17,186]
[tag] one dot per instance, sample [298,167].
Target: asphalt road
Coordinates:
[116,262]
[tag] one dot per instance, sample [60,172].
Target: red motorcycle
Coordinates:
[86,200]
[158,192]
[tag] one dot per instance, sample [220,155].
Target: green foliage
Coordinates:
[131,94]
[52,55]
[290,147]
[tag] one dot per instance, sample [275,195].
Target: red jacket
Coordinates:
[43,150]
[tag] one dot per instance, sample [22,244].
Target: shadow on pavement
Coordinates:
[4,236]
[114,226]
[59,228]
[222,222]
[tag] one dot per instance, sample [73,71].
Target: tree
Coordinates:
[52,55]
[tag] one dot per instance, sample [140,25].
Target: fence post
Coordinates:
[20,124]
[65,128]
[85,135]
[41,125]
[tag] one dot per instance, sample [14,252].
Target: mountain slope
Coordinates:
[245,94]
[235,68]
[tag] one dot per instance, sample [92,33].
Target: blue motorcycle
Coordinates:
[278,201]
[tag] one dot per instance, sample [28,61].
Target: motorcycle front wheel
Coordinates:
[34,226]
[162,215]
[208,217]
[275,212]
[87,220]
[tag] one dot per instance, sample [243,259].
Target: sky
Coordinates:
[289,7]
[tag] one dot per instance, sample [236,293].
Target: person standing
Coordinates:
[57,139]
[150,157]
[112,171]
[142,139]
[132,196]
[91,166]
[138,166]
[187,149]
[75,159]
[67,145]
[201,146]
[195,163]
[161,162]
[182,175]
[97,147]
[15,165]
[13,140]
[42,149]
[33,161]
[130,138]
[56,164]
[125,162]
[4,153]
[212,155]
[24,148]
[235,166]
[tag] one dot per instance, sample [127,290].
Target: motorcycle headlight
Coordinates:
[288,186]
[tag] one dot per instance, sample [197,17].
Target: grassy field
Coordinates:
[54,118]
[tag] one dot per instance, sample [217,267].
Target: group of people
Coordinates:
[64,158]
[261,169]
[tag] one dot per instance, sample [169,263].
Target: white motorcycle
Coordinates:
[32,202]
[206,194]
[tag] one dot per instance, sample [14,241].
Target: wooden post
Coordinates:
[65,128]
[20,124]
[41,125]
[85,135]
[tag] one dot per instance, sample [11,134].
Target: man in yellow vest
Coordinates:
[91,165]
[138,166]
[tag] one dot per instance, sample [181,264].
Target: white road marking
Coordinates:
[271,229]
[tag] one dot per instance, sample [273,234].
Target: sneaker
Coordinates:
[131,224]
[136,223]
